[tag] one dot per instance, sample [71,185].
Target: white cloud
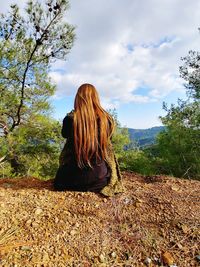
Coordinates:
[159,32]
[127,44]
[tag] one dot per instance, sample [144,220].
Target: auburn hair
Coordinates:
[92,126]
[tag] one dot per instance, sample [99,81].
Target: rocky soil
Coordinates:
[156,222]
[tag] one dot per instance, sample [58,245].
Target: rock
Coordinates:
[198,258]
[45,257]
[26,248]
[167,258]
[138,203]
[77,225]
[56,220]
[38,211]
[34,225]
[72,232]
[180,246]
[185,228]
[175,188]
[147,261]
[113,254]
[28,222]
[127,200]
[102,258]
[2,193]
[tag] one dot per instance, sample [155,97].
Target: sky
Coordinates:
[130,50]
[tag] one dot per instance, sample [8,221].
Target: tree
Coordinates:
[179,145]
[120,136]
[28,47]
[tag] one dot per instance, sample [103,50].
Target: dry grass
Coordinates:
[155,215]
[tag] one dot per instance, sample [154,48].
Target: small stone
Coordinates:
[102,258]
[185,228]
[2,194]
[26,248]
[147,261]
[127,200]
[56,220]
[72,232]
[105,200]
[175,188]
[38,211]
[138,203]
[180,246]
[34,225]
[29,222]
[198,257]
[156,260]
[46,257]
[113,254]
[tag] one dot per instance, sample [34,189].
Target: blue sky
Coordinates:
[130,50]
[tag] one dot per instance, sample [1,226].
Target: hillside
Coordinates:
[144,137]
[157,219]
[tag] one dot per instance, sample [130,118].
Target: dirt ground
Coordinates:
[156,222]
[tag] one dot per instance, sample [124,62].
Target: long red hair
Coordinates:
[93,126]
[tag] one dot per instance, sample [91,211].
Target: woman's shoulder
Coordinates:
[67,124]
[70,114]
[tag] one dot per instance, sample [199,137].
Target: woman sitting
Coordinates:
[87,162]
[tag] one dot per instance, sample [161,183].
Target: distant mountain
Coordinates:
[144,137]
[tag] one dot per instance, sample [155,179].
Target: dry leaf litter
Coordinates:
[156,222]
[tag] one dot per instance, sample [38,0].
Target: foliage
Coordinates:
[38,145]
[28,46]
[136,161]
[179,145]
[120,138]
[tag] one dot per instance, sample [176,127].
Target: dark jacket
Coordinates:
[69,176]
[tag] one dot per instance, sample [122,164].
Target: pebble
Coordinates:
[34,225]
[25,248]
[147,261]
[72,232]
[38,211]
[127,200]
[113,254]
[29,222]
[56,220]
[45,257]
[198,257]
[102,258]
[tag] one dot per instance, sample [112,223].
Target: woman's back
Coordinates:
[70,176]
[87,162]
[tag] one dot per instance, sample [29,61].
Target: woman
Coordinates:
[87,162]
